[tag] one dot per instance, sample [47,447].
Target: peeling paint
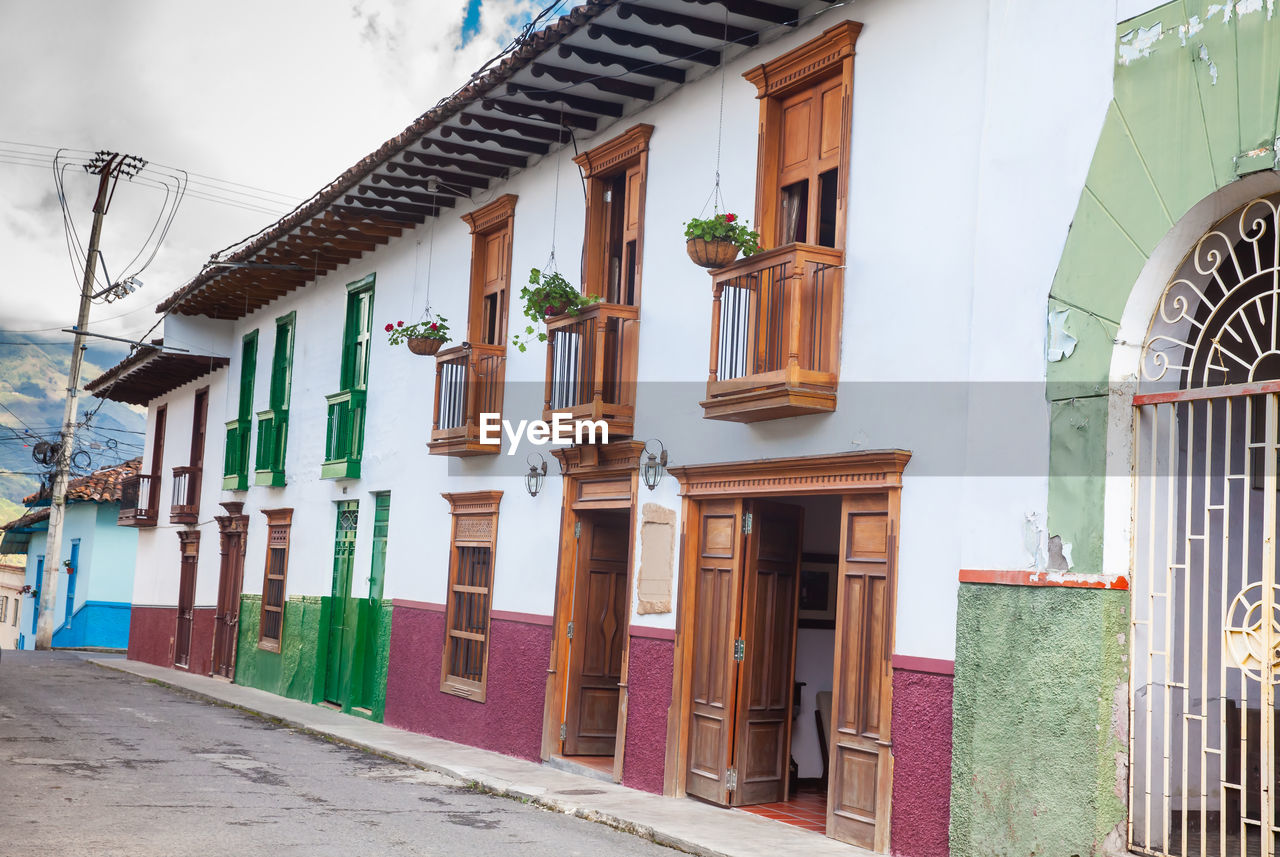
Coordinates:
[1189,29]
[1059,554]
[1248,7]
[1137,44]
[1061,344]
[1213,67]
[1033,539]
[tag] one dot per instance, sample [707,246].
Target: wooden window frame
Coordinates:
[599,166]
[484,222]
[347,379]
[278,521]
[474,524]
[826,56]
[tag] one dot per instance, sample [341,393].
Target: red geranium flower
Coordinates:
[435,326]
[399,324]
[390,327]
[729,218]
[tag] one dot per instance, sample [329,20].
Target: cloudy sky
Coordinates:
[261,102]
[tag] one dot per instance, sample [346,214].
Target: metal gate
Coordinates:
[1205,624]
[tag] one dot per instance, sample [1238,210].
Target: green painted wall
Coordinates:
[298,670]
[1040,717]
[294,671]
[1194,108]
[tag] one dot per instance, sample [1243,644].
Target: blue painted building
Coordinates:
[95,580]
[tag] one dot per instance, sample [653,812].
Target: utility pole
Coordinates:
[107,166]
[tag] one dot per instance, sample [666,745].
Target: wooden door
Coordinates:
[198,430]
[189,543]
[762,753]
[599,636]
[226,620]
[859,750]
[713,629]
[489,312]
[809,165]
[339,643]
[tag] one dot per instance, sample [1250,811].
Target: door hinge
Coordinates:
[563,732]
[746,523]
[570,630]
[731,779]
[739,649]
[577,529]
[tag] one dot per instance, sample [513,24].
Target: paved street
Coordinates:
[93,762]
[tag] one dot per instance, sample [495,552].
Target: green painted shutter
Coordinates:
[381,519]
[282,363]
[248,368]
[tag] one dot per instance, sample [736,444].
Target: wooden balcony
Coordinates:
[775,335]
[469,382]
[186,496]
[139,501]
[344,438]
[273,431]
[591,366]
[235,460]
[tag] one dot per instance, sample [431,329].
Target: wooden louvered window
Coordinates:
[271,621]
[466,645]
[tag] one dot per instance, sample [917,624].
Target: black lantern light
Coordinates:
[537,474]
[652,468]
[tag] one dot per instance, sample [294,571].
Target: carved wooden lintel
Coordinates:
[839,473]
[491,216]
[800,64]
[622,148]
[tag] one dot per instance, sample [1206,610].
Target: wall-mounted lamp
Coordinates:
[537,474]
[652,468]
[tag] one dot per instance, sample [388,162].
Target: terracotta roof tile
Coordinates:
[101,486]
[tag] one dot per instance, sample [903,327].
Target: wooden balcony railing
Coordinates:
[469,382]
[139,501]
[235,460]
[186,495]
[775,334]
[268,464]
[344,440]
[591,366]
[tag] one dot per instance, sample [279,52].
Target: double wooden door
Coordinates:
[743,657]
[598,635]
[189,542]
[226,619]
[339,649]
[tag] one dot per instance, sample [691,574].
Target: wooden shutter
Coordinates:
[248,369]
[713,679]
[357,334]
[274,577]
[464,669]
[489,302]
[282,363]
[861,763]
[762,747]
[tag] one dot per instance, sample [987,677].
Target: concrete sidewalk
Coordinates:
[687,825]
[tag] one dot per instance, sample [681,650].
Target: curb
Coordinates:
[494,786]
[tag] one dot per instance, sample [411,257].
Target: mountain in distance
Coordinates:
[33,380]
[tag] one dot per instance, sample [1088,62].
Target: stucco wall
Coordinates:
[151,632]
[921,762]
[296,671]
[1040,716]
[510,718]
[650,661]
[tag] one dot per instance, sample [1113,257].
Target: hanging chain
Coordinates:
[555,205]
[715,200]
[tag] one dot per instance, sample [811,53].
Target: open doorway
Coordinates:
[597,639]
[782,693]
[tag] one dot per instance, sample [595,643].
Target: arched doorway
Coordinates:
[1205,625]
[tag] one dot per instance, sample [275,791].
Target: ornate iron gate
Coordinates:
[1206,600]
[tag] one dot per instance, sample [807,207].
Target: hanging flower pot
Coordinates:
[423,338]
[423,346]
[711,254]
[548,295]
[553,310]
[715,242]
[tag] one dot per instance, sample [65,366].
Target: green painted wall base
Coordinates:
[1041,713]
[297,671]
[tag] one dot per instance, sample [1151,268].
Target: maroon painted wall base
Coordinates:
[649,673]
[151,634]
[509,721]
[921,757]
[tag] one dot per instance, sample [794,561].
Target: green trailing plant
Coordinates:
[431,327]
[724,227]
[548,294]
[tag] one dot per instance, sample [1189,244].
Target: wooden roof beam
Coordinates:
[506,159]
[602,83]
[434,200]
[708,29]
[431,159]
[666,47]
[408,220]
[536,132]
[577,102]
[326,243]
[365,226]
[631,64]
[542,114]
[757,9]
[518,144]
[422,179]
